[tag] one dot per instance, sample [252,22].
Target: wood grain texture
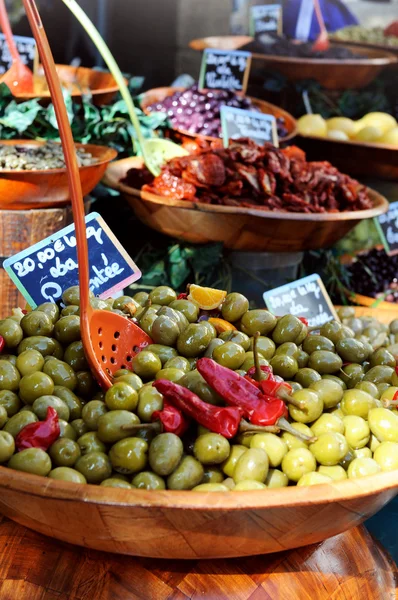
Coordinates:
[49,188]
[100,84]
[350,566]
[333,74]
[20,229]
[171,524]
[245,229]
[159,94]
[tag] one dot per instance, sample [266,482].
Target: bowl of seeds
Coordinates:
[33,172]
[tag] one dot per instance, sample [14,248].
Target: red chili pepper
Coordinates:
[182,296]
[396,369]
[171,418]
[237,391]
[265,369]
[222,420]
[2,343]
[41,434]
[303,320]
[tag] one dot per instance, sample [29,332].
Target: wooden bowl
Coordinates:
[159,94]
[333,74]
[189,525]
[101,85]
[49,188]
[360,159]
[246,229]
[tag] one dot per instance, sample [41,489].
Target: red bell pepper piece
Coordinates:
[41,434]
[171,418]
[2,343]
[222,420]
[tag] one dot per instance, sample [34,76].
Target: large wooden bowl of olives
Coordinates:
[97,469]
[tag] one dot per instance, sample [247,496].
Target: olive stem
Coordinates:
[286,397]
[259,375]
[285,426]
[281,424]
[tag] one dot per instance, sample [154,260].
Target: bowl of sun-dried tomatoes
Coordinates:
[250,197]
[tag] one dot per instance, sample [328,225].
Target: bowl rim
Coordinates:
[257,101]
[113,174]
[107,155]
[353,143]
[291,496]
[385,58]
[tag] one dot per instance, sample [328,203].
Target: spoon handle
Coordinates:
[68,148]
[6,27]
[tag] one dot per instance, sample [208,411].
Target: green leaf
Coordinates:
[50,116]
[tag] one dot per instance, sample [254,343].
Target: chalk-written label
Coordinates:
[237,123]
[305,297]
[265,18]
[26,47]
[387,226]
[45,270]
[223,70]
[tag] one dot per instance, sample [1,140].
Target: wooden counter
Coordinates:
[350,566]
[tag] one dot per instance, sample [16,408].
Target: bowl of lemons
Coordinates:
[365,147]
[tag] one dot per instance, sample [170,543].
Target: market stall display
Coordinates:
[375,37]
[332,73]
[46,185]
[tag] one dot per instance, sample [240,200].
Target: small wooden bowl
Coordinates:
[247,229]
[101,85]
[159,94]
[49,188]
[189,525]
[333,74]
[360,159]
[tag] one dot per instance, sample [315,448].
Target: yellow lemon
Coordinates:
[342,124]
[312,125]
[338,135]
[390,138]
[381,120]
[368,134]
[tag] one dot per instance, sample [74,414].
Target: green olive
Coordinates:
[260,320]
[294,442]
[195,382]
[363,453]
[285,366]
[357,432]
[329,391]
[211,448]
[90,442]
[325,361]
[386,455]
[187,475]
[129,455]
[313,406]
[234,307]
[70,310]
[253,465]
[383,424]
[194,340]
[330,448]
[149,401]
[313,478]
[297,462]
[237,337]
[248,485]
[163,352]
[306,377]
[179,362]
[66,430]
[131,378]
[382,357]
[265,346]
[228,466]
[41,404]
[362,467]
[9,376]
[94,466]
[91,413]
[36,323]
[29,362]
[336,473]
[162,295]
[79,426]
[75,356]
[249,361]
[351,350]
[67,474]
[212,346]
[333,331]
[67,329]
[327,422]
[61,373]
[189,309]
[302,359]
[141,298]
[10,401]
[357,402]
[45,345]
[165,453]
[31,460]
[273,445]
[19,421]
[312,343]
[147,480]
[11,332]
[171,374]
[116,483]
[113,425]
[86,385]
[165,330]
[276,479]
[64,452]
[229,355]
[287,329]
[7,446]
[380,374]
[336,379]
[369,387]
[213,474]
[70,399]
[51,309]
[121,396]
[352,374]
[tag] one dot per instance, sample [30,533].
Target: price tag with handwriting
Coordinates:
[27,50]
[387,226]
[266,18]
[225,70]
[237,123]
[306,297]
[44,271]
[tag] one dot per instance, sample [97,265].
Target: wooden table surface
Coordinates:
[351,566]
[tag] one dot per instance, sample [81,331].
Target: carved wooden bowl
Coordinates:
[21,189]
[189,525]
[334,74]
[246,229]
[159,94]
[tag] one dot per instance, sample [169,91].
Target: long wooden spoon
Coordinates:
[19,78]
[110,341]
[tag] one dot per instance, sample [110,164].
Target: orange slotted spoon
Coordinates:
[19,78]
[322,42]
[110,341]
